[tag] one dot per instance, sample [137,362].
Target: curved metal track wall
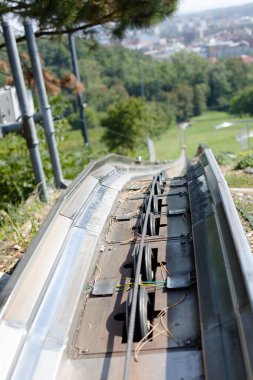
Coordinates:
[224,266]
[41,304]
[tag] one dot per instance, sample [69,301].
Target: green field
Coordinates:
[73,140]
[203,131]
[74,156]
[14,158]
[168,145]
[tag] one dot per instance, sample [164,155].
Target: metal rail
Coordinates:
[136,287]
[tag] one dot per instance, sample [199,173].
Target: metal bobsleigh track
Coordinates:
[140,271]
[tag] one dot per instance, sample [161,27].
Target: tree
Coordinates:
[125,125]
[189,68]
[199,99]
[241,104]
[238,74]
[182,99]
[158,117]
[220,87]
[58,17]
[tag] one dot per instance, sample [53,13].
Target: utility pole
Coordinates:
[142,88]
[72,47]
[27,118]
[44,105]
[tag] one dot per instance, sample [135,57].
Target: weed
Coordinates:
[239,179]
[245,162]
[20,223]
[225,158]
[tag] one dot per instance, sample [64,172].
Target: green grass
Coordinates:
[13,224]
[202,131]
[240,180]
[68,141]
[168,145]
[73,140]
[246,211]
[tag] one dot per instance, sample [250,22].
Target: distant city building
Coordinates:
[220,49]
[247,59]
[212,34]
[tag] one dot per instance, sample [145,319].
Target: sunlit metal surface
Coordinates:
[44,332]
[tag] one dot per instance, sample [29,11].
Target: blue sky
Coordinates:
[187,6]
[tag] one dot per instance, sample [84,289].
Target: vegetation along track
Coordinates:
[140,271]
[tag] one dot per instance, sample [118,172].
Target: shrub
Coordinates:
[245,162]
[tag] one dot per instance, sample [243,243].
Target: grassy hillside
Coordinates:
[17,180]
[21,221]
[203,131]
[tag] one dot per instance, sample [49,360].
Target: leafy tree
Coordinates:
[220,87]
[108,96]
[199,99]
[242,103]
[182,99]
[189,68]
[92,117]
[238,73]
[125,127]
[57,17]
[158,117]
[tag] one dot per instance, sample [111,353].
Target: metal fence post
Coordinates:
[27,119]
[72,47]
[44,105]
